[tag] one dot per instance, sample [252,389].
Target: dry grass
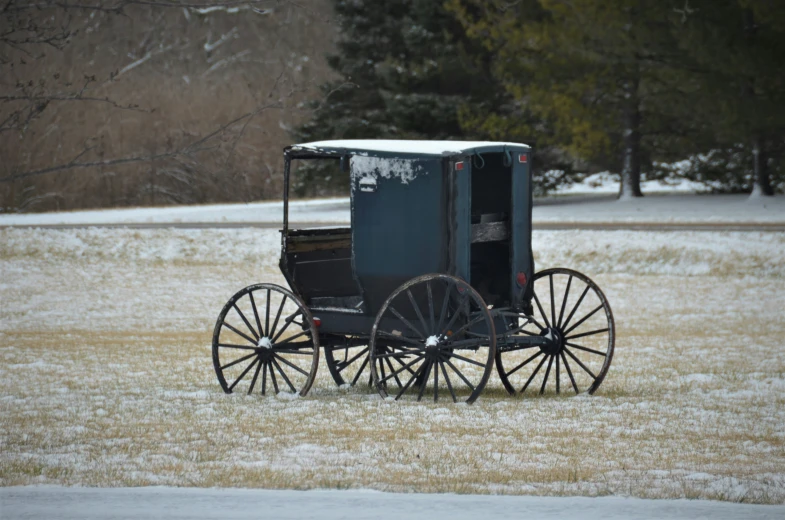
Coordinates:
[108,382]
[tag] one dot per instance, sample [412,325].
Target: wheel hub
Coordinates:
[555,341]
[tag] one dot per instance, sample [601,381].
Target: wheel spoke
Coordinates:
[417,311]
[547,373]
[449,363]
[252,354]
[277,317]
[526,362]
[458,311]
[267,315]
[245,320]
[473,362]
[533,374]
[569,372]
[430,307]
[445,302]
[288,320]
[284,360]
[577,324]
[577,304]
[411,380]
[436,382]
[392,371]
[402,364]
[405,321]
[590,333]
[255,375]
[283,375]
[449,384]
[256,313]
[579,363]
[467,325]
[404,367]
[360,371]
[264,379]
[557,374]
[542,312]
[247,369]
[273,378]
[244,335]
[242,347]
[563,305]
[425,379]
[343,365]
[291,338]
[396,355]
[587,349]
[400,338]
[553,305]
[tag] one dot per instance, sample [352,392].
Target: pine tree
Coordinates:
[738,103]
[403,73]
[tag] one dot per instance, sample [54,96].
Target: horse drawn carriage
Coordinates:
[431,286]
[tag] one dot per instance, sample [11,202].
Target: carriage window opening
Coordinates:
[319,239]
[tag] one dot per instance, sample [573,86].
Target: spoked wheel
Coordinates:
[434,335]
[348,361]
[266,341]
[572,313]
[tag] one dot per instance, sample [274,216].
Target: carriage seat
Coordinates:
[320,265]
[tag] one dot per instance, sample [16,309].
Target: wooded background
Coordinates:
[125,102]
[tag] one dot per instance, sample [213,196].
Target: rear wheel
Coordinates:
[265,341]
[433,336]
[574,316]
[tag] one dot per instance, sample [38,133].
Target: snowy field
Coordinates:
[108,380]
[661,208]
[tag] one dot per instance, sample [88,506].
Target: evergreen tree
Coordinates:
[407,70]
[737,105]
[593,70]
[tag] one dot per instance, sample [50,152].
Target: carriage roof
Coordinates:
[405,147]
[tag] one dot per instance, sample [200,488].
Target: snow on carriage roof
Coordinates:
[407,146]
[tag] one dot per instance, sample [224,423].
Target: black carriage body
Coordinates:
[417,207]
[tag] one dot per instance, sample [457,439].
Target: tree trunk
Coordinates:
[761,184]
[631,161]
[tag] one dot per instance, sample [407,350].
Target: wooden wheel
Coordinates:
[434,335]
[265,339]
[347,359]
[573,314]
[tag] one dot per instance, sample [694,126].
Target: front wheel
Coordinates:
[575,318]
[265,340]
[433,336]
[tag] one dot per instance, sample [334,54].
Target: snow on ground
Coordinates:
[672,208]
[108,380]
[228,504]
[608,183]
[319,210]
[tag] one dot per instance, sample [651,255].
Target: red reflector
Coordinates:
[522,158]
[459,166]
[521,279]
[317,322]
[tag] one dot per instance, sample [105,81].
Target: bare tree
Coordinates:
[152,102]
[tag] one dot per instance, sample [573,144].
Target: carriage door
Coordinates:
[491,251]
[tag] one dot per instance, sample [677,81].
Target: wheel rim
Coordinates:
[264,341]
[436,337]
[573,314]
